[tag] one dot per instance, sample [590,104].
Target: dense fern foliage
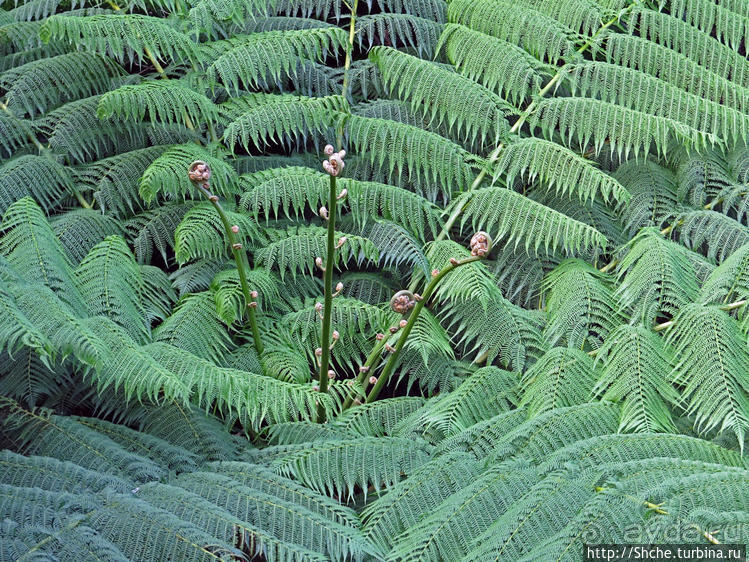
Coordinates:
[587,382]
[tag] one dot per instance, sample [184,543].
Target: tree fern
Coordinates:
[400,149]
[259,119]
[638,91]
[582,121]
[46,180]
[708,371]
[562,377]
[537,33]
[674,33]
[442,95]
[406,30]
[581,305]
[506,214]
[635,366]
[159,101]
[500,66]
[243,61]
[41,85]
[125,38]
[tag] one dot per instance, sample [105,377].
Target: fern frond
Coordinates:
[487,392]
[653,194]
[622,447]
[443,96]
[424,490]
[246,61]
[114,180]
[14,133]
[641,92]
[254,398]
[201,235]
[350,464]
[677,34]
[395,245]
[675,68]
[38,433]
[729,281]
[74,130]
[110,283]
[155,229]
[47,181]
[446,531]
[581,305]
[259,119]
[553,430]
[378,419]
[508,215]
[217,521]
[719,234]
[295,251]
[162,101]
[38,86]
[404,30]
[582,121]
[125,38]
[656,277]
[711,354]
[502,67]
[558,167]
[79,230]
[399,149]
[167,174]
[367,199]
[635,366]
[51,474]
[538,34]
[29,244]
[562,377]
[195,326]
[290,523]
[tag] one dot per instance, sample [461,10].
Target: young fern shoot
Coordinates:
[333,166]
[200,175]
[410,306]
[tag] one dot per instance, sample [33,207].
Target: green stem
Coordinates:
[328,304]
[240,259]
[369,366]
[350,51]
[390,365]
[494,156]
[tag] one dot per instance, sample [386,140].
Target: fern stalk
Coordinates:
[390,365]
[328,294]
[494,156]
[369,366]
[333,166]
[239,256]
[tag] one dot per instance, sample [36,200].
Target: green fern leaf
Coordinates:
[244,61]
[443,96]
[506,214]
[538,34]
[126,37]
[562,377]
[260,119]
[41,85]
[168,174]
[581,305]
[557,166]
[110,283]
[582,121]
[635,363]
[712,354]
[163,101]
